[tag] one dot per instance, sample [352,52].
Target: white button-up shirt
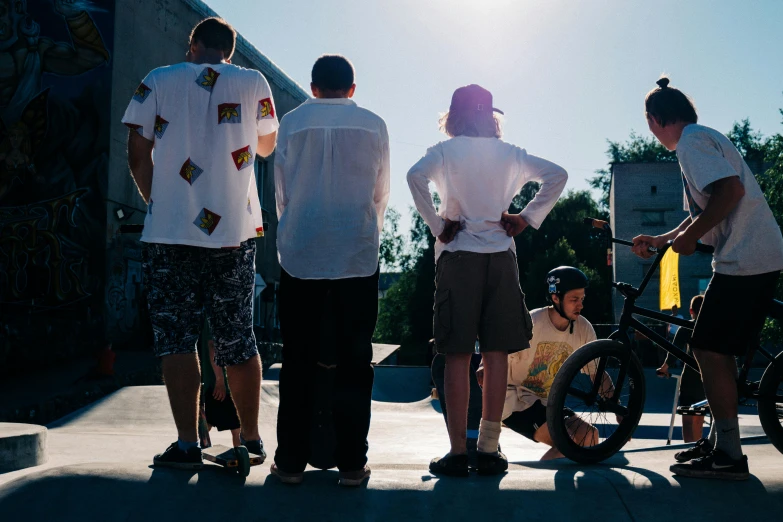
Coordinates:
[476,179]
[332,186]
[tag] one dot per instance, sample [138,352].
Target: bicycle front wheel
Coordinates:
[770,402]
[590,423]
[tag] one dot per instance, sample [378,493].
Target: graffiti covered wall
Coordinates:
[55,77]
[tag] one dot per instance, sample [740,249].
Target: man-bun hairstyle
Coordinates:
[669,105]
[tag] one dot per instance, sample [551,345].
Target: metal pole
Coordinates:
[674,407]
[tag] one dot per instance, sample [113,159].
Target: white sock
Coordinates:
[728,437]
[489,435]
[711,436]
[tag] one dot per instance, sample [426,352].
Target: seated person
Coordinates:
[558,331]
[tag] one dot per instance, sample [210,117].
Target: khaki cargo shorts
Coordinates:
[477,296]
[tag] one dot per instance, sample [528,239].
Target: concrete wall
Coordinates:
[149,35]
[634,207]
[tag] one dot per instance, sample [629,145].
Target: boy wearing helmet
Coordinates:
[558,331]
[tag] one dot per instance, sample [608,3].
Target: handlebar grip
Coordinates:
[597,223]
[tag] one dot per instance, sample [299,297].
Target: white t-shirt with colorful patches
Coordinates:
[532,371]
[205,120]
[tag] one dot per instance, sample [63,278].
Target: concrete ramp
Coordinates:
[100,469]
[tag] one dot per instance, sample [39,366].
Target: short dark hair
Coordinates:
[215,33]
[333,72]
[669,105]
[696,304]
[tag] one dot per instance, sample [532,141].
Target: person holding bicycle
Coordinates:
[558,331]
[728,211]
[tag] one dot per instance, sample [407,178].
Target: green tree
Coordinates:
[750,143]
[566,222]
[771,183]
[405,313]
[392,249]
[561,253]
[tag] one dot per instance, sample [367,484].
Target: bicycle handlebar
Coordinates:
[603,225]
[597,223]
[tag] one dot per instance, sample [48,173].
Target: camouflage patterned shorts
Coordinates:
[183,283]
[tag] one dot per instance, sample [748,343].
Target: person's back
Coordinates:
[332,173]
[207,119]
[748,241]
[332,186]
[195,130]
[486,166]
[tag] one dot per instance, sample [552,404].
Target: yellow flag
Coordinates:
[670,280]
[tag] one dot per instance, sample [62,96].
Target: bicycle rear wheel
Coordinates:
[573,390]
[770,402]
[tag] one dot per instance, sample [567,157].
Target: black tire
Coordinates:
[771,409]
[563,397]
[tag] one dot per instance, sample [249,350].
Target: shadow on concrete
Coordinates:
[612,491]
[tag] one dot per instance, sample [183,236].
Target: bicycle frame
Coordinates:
[628,320]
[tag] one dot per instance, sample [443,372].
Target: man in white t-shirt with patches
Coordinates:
[195,130]
[558,331]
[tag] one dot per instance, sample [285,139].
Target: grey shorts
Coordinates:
[478,297]
[182,283]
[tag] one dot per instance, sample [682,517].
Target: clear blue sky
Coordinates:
[568,74]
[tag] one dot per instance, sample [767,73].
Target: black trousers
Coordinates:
[351,306]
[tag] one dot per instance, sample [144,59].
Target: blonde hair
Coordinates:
[476,124]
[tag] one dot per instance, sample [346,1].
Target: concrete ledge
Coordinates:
[21,446]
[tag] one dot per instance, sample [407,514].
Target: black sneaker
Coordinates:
[701,449]
[450,465]
[256,449]
[491,463]
[716,465]
[174,457]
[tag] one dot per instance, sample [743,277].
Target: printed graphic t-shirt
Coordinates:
[531,371]
[748,242]
[205,120]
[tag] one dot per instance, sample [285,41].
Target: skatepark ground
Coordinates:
[99,468]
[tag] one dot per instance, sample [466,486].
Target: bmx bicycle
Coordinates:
[623,401]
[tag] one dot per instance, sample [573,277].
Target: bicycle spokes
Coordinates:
[599,397]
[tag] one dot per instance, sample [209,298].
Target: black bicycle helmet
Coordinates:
[560,281]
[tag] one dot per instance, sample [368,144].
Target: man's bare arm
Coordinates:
[266,144]
[140,163]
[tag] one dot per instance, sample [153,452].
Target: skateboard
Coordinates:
[237,459]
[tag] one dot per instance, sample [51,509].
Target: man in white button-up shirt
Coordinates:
[332,187]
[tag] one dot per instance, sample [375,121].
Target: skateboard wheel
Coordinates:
[243,460]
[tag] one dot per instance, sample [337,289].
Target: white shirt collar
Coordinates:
[332,101]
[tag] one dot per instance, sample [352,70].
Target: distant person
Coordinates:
[673,327]
[206,120]
[729,212]
[332,185]
[691,388]
[477,292]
